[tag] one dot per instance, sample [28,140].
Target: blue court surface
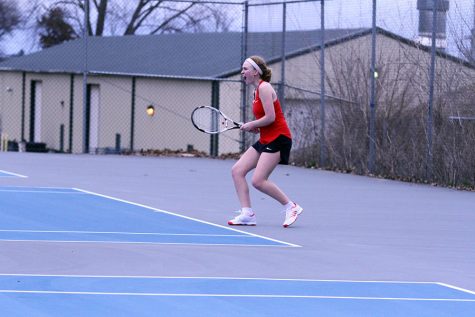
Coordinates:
[42,295]
[72,215]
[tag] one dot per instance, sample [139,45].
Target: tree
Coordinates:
[401,114]
[10,17]
[145,16]
[54,29]
[462,31]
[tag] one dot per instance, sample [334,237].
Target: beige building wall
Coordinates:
[54,107]
[170,127]
[350,60]
[114,110]
[10,104]
[54,100]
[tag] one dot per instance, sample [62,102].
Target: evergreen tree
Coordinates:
[54,29]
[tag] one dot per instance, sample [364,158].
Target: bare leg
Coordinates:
[244,165]
[260,179]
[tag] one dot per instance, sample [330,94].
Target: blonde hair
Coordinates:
[266,71]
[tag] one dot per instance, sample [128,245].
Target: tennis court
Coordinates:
[146,236]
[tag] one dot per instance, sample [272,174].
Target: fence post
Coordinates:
[282,65]
[429,154]
[71,112]
[214,138]
[118,142]
[85,133]
[243,85]
[23,105]
[322,85]
[372,105]
[132,115]
[61,138]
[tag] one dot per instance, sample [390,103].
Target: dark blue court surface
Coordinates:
[71,215]
[43,295]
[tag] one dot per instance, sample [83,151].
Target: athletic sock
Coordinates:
[289,205]
[247,210]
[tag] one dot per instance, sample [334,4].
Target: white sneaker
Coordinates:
[292,214]
[244,219]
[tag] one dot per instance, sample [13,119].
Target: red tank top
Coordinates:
[279,126]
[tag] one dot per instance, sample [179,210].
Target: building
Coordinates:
[41,94]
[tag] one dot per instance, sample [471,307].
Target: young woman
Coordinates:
[272,148]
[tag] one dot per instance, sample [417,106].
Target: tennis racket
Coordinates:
[211,120]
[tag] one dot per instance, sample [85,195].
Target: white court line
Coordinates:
[186,217]
[38,187]
[144,242]
[457,288]
[40,192]
[130,233]
[215,278]
[13,174]
[50,190]
[240,295]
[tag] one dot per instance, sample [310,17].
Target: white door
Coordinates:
[94,119]
[37,123]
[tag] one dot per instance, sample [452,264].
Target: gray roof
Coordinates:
[180,55]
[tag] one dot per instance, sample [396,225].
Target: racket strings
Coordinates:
[209,120]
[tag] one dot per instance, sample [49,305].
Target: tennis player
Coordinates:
[273,147]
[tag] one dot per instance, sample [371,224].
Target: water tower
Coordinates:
[426,8]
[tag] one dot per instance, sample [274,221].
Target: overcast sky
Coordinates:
[398,16]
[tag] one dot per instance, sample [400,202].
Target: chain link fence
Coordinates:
[379,87]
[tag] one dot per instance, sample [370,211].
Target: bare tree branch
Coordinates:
[146,16]
[10,17]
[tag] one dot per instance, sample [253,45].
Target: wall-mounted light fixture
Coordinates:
[150,111]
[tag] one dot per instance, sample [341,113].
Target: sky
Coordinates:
[398,16]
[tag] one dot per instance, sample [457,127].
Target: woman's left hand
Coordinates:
[248,127]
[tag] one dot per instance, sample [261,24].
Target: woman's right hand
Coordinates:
[248,127]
